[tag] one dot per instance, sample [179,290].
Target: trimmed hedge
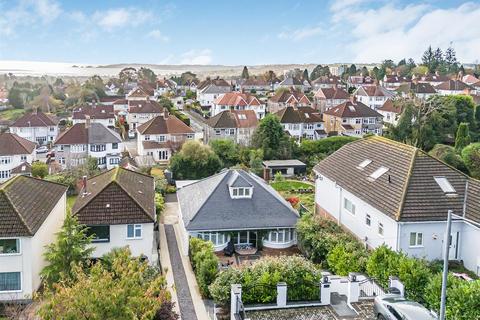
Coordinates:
[204,263]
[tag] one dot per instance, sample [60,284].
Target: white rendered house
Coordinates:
[36,127]
[14,152]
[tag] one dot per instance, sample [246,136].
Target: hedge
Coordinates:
[204,263]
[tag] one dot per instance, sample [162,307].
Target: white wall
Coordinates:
[469,251]
[30,260]
[15,161]
[331,198]
[34,133]
[118,239]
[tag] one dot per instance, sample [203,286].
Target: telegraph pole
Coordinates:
[446,249]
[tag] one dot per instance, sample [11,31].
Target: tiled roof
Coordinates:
[207,205]
[326,80]
[117,196]
[373,91]
[420,87]
[332,93]
[162,125]
[22,168]
[255,82]
[11,144]
[94,111]
[156,145]
[470,79]
[298,115]
[350,109]
[453,85]
[34,119]
[216,82]
[435,78]
[283,96]
[390,106]
[291,81]
[147,106]
[234,119]
[237,99]
[81,133]
[25,203]
[137,93]
[407,191]
[393,78]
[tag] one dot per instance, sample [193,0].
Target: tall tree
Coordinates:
[319,71]
[428,59]
[271,138]
[451,60]
[194,161]
[245,73]
[147,75]
[462,139]
[305,75]
[71,248]
[226,150]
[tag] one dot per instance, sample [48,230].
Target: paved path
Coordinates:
[187,310]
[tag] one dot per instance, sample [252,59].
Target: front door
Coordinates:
[453,251]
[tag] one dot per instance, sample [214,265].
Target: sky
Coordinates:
[243,32]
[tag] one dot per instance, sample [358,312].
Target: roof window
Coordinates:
[378,173]
[364,163]
[445,185]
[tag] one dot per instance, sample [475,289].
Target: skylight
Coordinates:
[352,108]
[307,115]
[378,173]
[242,117]
[364,163]
[445,185]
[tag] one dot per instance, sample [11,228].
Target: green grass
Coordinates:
[288,188]
[11,114]
[71,201]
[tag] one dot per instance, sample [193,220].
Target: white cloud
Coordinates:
[121,17]
[300,34]
[340,5]
[393,32]
[48,10]
[158,35]
[197,57]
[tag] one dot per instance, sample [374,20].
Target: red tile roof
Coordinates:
[94,111]
[147,106]
[234,119]
[162,125]
[290,96]
[34,119]
[351,109]
[332,93]
[11,144]
[390,106]
[237,99]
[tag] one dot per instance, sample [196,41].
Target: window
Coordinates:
[23,158]
[217,132]
[240,192]
[349,206]
[115,146]
[161,138]
[190,136]
[368,220]
[99,233]
[61,160]
[371,120]
[380,229]
[134,231]
[364,163]
[416,239]
[52,129]
[114,161]
[147,138]
[10,281]
[98,147]
[102,160]
[5,160]
[9,246]
[217,238]
[358,120]
[445,185]
[5,174]
[280,236]
[378,173]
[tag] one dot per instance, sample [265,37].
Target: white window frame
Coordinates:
[19,246]
[368,220]
[21,282]
[351,210]
[417,236]
[381,228]
[135,228]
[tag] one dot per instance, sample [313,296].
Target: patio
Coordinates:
[237,260]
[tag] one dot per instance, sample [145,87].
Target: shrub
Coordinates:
[204,263]
[259,280]
[346,258]
[278,177]
[471,157]
[382,263]
[293,201]
[159,203]
[39,169]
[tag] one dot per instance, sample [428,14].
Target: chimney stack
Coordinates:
[87,121]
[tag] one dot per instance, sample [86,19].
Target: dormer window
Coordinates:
[241,192]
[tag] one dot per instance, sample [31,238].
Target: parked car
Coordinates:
[42,149]
[396,307]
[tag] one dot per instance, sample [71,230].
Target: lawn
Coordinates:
[11,114]
[289,188]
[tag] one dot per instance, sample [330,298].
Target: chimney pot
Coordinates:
[84,185]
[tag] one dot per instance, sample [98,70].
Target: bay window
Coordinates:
[217,238]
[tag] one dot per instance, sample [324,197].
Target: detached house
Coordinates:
[352,118]
[161,136]
[420,90]
[35,126]
[373,96]
[142,111]
[393,81]
[15,152]
[390,112]
[360,81]
[89,139]
[118,208]
[453,87]
[386,192]
[31,213]
[284,98]
[99,113]
[324,82]
[303,122]
[255,85]
[434,79]
[164,86]
[138,94]
[238,207]
[238,101]
[209,90]
[237,125]
[326,98]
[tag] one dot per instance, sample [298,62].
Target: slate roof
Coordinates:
[435,78]
[145,106]
[207,205]
[299,115]
[394,78]
[11,144]
[234,119]
[34,119]
[407,191]
[352,109]
[81,133]
[162,125]
[117,196]
[94,112]
[137,93]
[283,163]
[420,87]
[25,203]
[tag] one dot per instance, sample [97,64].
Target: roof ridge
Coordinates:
[398,215]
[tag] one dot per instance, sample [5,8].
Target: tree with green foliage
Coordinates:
[147,75]
[428,59]
[462,138]
[226,150]
[346,258]
[272,139]
[313,151]
[319,71]
[245,73]
[118,287]
[255,162]
[204,263]
[471,157]
[91,166]
[305,75]
[15,98]
[463,297]
[39,169]
[449,155]
[194,161]
[71,249]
